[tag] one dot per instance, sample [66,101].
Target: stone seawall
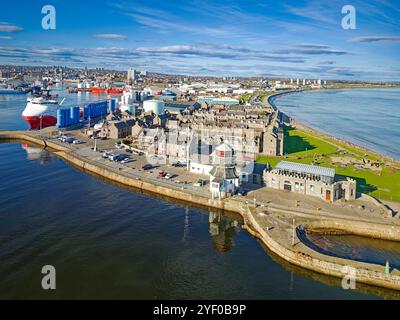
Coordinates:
[248,212]
[363,275]
[375,231]
[86,165]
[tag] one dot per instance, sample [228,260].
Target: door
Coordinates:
[328,195]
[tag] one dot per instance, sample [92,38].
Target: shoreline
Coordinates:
[254,222]
[323,134]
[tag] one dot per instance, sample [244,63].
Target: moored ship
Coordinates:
[107,91]
[41,111]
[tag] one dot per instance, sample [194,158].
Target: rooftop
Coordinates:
[306,168]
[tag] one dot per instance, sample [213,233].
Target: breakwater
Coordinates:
[254,223]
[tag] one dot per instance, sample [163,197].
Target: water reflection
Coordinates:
[38,154]
[222,230]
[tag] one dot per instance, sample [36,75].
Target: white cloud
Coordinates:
[376,38]
[110,36]
[9,28]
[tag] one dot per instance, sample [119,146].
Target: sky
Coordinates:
[292,39]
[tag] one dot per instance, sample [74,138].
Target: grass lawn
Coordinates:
[303,147]
[246,97]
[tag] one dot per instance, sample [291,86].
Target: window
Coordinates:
[302,186]
[312,188]
[273,180]
[296,185]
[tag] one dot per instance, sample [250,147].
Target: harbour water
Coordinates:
[110,242]
[367,117]
[106,241]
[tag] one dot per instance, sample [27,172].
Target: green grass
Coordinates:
[245,97]
[304,147]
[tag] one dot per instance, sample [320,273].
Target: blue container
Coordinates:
[72,115]
[85,112]
[112,105]
[77,114]
[68,117]
[65,113]
[60,118]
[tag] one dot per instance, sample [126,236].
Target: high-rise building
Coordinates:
[132,75]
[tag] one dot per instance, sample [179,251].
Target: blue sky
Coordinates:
[302,38]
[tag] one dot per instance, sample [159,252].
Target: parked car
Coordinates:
[77,141]
[169,176]
[63,138]
[126,160]
[106,154]
[199,183]
[147,166]
[162,174]
[242,192]
[128,150]
[178,164]
[114,157]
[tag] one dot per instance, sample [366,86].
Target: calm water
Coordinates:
[111,242]
[354,247]
[367,117]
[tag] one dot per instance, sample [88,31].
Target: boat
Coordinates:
[107,91]
[41,111]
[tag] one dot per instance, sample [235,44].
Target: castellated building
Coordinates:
[309,180]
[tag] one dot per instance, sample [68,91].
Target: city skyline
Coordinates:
[302,39]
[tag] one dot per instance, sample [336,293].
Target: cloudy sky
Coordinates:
[302,38]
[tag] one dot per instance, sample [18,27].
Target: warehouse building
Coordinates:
[309,180]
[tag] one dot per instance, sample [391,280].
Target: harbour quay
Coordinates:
[273,216]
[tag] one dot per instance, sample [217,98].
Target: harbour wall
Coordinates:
[314,263]
[248,212]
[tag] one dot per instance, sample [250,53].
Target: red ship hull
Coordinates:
[107,91]
[37,122]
